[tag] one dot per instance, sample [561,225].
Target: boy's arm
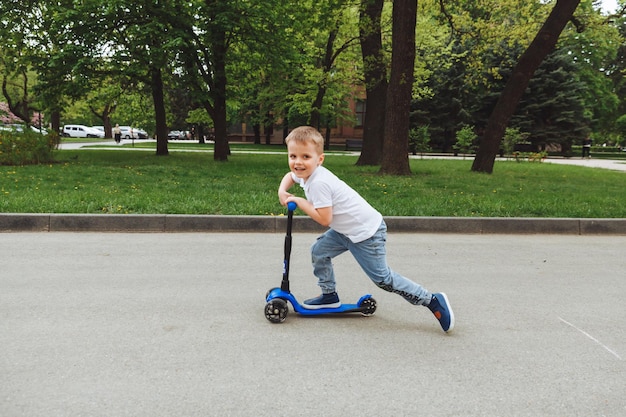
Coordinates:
[283,189]
[323,216]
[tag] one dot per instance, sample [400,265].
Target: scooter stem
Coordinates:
[284,285]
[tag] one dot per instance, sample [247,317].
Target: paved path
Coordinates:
[617,165]
[154,324]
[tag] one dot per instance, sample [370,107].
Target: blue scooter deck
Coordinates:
[359,307]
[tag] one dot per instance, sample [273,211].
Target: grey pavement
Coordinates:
[172,324]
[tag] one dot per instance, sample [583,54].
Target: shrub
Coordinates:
[513,136]
[419,139]
[465,138]
[26,148]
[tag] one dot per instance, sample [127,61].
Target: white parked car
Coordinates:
[16,127]
[141,133]
[39,130]
[81,131]
[129,132]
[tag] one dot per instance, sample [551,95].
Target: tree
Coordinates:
[419,140]
[465,138]
[375,78]
[620,124]
[530,60]
[15,56]
[15,89]
[217,21]
[217,30]
[512,136]
[325,73]
[147,34]
[449,104]
[599,50]
[132,45]
[553,110]
[616,68]
[395,158]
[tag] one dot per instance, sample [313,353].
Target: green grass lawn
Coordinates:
[105,181]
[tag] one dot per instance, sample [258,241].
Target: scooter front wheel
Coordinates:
[276,310]
[368,307]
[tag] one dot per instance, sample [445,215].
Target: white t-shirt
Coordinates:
[352,215]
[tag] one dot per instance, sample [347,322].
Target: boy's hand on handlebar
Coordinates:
[284,197]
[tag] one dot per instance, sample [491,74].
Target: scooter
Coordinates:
[277,299]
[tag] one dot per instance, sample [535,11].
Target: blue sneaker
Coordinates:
[440,307]
[323,301]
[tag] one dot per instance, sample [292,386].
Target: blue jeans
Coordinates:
[371,256]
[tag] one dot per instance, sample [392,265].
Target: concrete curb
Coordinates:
[173,223]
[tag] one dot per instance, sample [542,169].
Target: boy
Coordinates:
[354,226]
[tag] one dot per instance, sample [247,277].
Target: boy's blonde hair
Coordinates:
[307,134]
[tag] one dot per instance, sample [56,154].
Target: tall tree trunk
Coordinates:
[316,108]
[55,120]
[20,106]
[106,120]
[268,128]
[218,92]
[257,133]
[159,111]
[375,73]
[528,63]
[315,119]
[395,159]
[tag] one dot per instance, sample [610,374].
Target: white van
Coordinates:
[81,131]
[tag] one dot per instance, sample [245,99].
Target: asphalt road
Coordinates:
[172,324]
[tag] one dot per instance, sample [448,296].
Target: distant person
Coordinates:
[587,147]
[355,226]
[117,133]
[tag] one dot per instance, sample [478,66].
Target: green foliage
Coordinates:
[465,139]
[595,53]
[620,124]
[553,109]
[99,55]
[419,140]
[26,148]
[512,136]
[491,27]
[530,156]
[199,116]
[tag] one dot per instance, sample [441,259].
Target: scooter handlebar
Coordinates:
[291,206]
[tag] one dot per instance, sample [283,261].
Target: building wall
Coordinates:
[244,132]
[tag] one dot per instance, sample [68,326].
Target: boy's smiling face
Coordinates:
[303,158]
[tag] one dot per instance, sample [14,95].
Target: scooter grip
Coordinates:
[291,206]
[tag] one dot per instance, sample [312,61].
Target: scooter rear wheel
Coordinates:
[276,310]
